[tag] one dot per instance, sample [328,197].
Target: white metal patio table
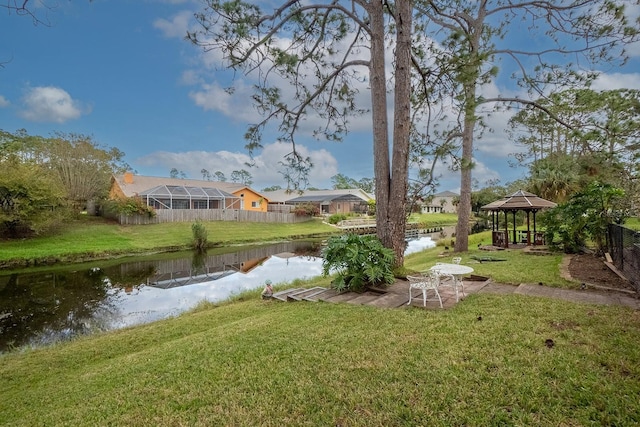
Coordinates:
[454,270]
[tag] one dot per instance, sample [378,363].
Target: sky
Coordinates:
[121,72]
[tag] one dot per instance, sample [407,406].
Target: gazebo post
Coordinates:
[506,229]
[515,240]
[528,230]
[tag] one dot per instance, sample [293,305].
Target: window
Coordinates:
[200,204]
[180,204]
[255,204]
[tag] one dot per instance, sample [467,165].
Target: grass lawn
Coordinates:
[516,266]
[253,362]
[246,361]
[93,237]
[434,219]
[633,223]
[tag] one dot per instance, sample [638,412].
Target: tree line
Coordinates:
[45,180]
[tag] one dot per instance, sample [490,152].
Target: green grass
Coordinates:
[89,238]
[434,219]
[254,362]
[633,223]
[518,268]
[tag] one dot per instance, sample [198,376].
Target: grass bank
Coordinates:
[254,362]
[92,238]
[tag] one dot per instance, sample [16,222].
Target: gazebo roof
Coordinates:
[520,200]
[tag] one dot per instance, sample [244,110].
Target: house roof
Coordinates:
[325,198]
[446,194]
[135,185]
[188,192]
[520,200]
[282,196]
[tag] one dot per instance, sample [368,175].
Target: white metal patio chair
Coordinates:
[424,283]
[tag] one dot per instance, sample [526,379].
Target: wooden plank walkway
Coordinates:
[397,295]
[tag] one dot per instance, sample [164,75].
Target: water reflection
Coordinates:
[48,306]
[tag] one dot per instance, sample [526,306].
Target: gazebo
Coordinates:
[518,201]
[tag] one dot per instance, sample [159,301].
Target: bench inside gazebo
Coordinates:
[518,201]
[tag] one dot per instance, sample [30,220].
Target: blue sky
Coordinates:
[122,72]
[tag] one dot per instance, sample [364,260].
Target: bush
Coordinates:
[129,206]
[585,217]
[359,261]
[199,235]
[336,218]
[306,209]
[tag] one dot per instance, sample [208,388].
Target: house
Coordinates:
[176,193]
[328,202]
[443,202]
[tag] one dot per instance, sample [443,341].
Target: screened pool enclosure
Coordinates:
[184,197]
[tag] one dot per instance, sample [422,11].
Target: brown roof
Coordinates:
[520,200]
[133,185]
[282,196]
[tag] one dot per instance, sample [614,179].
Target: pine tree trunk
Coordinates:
[401,130]
[380,124]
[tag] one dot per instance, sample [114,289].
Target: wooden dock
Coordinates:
[368,227]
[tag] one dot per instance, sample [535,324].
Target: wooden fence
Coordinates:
[191,215]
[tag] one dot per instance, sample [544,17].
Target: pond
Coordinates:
[44,306]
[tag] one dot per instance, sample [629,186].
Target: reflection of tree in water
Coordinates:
[41,308]
[199,260]
[130,276]
[60,301]
[47,306]
[309,250]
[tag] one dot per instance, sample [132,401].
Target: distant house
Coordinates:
[328,202]
[443,202]
[176,193]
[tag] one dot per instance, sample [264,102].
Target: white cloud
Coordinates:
[484,173]
[177,26]
[190,78]
[50,104]
[210,76]
[617,81]
[324,164]
[4,102]
[495,140]
[267,167]
[235,105]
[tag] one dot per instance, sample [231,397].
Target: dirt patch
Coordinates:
[591,270]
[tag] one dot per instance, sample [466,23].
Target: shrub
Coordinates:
[359,261]
[371,207]
[336,218]
[199,236]
[130,206]
[586,216]
[306,209]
